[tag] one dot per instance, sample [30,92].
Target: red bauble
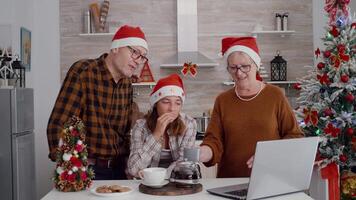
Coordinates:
[328,112]
[297,86]
[343,158]
[344,78]
[327,54]
[71,177]
[79,147]
[341,48]
[350,131]
[83,176]
[321,65]
[353,25]
[74,132]
[349,97]
[334,31]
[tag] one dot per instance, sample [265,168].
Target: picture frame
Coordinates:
[25,48]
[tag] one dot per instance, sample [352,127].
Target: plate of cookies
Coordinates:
[111,190]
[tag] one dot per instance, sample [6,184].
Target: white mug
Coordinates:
[153,175]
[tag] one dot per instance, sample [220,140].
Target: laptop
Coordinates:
[279,167]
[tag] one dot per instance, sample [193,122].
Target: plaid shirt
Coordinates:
[90,92]
[146,150]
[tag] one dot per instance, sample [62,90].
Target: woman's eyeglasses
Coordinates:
[244,68]
[137,56]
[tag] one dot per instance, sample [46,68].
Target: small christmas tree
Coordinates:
[72,172]
[146,74]
[327,98]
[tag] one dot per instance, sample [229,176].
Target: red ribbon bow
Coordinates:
[332,6]
[189,68]
[331,130]
[340,57]
[310,116]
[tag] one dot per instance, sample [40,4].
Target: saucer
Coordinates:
[163,183]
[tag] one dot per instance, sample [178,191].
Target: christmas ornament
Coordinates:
[297,86]
[189,68]
[327,54]
[146,74]
[349,97]
[72,172]
[328,112]
[350,132]
[344,78]
[334,32]
[353,25]
[310,116]
[332,6]
[324,79]
[317,52]
[348,184]
[321,65]
[331,130]
[341,21]
[343,158]
[329,36]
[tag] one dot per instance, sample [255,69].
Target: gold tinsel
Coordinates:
[348,184]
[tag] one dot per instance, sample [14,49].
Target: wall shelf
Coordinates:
[138,86]
[281,33]
[270,82]
[112,34]
[150,84]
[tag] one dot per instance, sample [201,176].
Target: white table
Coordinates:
[203,195]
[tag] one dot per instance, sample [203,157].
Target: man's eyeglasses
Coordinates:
[233,68]
[137,56]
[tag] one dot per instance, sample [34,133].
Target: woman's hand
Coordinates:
[162,123]
[206,154]
[250,162]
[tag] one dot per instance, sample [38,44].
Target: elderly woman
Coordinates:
[159,139]
[251,111]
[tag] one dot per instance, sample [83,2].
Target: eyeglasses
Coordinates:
[244,68]
[137,56]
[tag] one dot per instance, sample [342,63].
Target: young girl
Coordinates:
[159,139]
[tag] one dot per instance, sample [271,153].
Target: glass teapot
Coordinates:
[186,173]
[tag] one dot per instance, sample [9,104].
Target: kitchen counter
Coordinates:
[203,195]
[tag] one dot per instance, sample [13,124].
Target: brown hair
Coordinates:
[177,127]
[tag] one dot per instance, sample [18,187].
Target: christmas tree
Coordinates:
[327,97]
[72,172]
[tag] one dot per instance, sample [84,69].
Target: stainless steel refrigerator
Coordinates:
[17,154]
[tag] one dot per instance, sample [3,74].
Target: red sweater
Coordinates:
[236,126]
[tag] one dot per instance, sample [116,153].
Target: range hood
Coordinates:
[187,38]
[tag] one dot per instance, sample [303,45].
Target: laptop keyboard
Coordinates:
[239,193]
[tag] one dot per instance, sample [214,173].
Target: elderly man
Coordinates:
[99,91]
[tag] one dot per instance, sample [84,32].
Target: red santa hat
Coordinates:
[171,85]
[247,45]
[129,36]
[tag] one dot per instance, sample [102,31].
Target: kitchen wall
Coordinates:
[46,84]
[216,19]
[41,17]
